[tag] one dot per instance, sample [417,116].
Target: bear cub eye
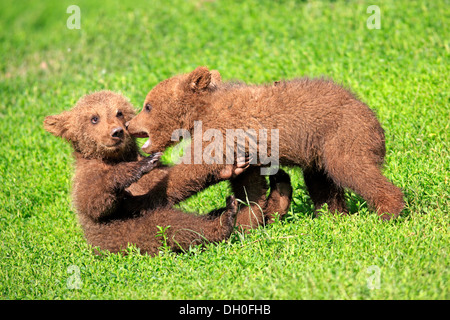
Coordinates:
[94,120]
[148,107]
[119,114]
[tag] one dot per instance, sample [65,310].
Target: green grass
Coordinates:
[401,71]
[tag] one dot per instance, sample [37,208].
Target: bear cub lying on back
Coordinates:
[107,164]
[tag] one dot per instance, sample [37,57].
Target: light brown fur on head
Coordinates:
[167,106]
[96,125]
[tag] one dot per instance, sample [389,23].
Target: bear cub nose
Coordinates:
[117,133]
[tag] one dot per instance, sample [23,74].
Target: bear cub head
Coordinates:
[173,103]
[95,126]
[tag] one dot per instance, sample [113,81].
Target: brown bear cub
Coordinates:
[124,198]
[323,128]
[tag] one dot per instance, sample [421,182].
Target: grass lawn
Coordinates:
[401,70]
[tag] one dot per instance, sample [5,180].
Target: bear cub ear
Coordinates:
[216,79]
[58,125]
[199,79]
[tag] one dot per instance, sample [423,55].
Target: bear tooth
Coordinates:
[146,144]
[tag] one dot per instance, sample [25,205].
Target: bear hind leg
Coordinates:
[366,179]
[322,189]
[280,196]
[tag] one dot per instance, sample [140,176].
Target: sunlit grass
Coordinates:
[401,71]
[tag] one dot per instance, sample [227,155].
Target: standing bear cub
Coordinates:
[323,128]
[124,198]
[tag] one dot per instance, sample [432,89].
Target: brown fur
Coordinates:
[323,128]
[251,188]
[121,197]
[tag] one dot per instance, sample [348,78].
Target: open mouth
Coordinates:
[143,135]
[140,135]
